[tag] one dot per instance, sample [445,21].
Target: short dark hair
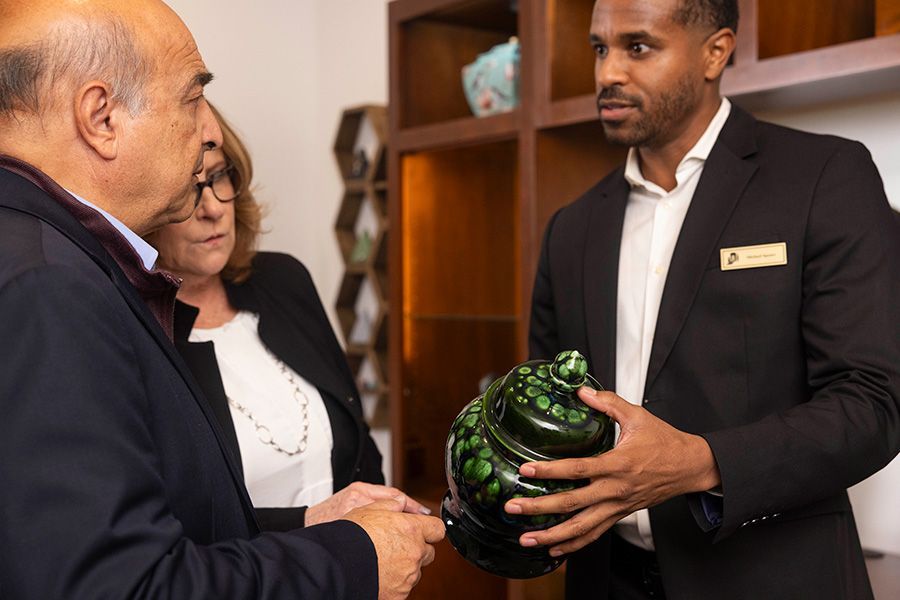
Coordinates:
[714,14]
[104,48]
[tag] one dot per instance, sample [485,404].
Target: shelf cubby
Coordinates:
[459,230]
[459,302]
[887,17]
[434,47]
[571,59]
[800,25]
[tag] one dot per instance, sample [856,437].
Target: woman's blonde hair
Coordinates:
[247,211]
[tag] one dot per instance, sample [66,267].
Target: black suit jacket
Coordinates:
[116,482]
[789,372]
[293,325]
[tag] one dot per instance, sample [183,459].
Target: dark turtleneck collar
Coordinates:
[157,288]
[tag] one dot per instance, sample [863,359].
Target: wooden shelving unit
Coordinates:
[362,301]
[471,197]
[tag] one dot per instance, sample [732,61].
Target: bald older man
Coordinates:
[115,482]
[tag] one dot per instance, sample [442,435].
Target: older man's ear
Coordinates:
[98,118]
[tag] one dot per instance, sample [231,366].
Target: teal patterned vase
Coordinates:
[531,414]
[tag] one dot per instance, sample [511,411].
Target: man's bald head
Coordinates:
[66,43]
[71,54]
[106,98]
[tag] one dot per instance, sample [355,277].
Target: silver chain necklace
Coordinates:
[263,433]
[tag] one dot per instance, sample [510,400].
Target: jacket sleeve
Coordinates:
[281,519]
[85,510]
[850,427]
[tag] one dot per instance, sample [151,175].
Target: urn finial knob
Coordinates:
[568,371]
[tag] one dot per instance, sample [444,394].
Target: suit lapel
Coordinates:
[139,308]
[725,175]
[601,275]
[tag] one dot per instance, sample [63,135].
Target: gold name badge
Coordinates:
[753,257]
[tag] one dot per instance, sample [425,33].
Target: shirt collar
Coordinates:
[147,252]
[695,156]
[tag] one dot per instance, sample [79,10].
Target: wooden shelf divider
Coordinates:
[458,132]
[831,73]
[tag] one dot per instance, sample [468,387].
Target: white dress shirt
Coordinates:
[147,252]
[653,219]
[253,377]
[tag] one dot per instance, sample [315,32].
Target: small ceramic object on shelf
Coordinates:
[361,249]
[531,414]
[491,83]
[360,165]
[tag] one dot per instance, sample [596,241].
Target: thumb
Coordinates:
[616,408]
[432,528]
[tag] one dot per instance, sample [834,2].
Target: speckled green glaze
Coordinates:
[533,413]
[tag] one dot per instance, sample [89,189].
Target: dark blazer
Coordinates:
[790,372]
[116,481]
[293,325]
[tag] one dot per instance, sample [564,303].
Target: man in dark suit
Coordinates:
[115,479]
[736,284]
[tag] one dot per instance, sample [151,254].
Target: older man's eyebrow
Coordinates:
[201,80]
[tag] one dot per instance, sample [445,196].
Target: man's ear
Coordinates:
[98,118]
[719,47]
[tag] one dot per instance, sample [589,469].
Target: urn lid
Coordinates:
[535,412]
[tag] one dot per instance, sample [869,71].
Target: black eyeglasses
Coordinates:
[221,184]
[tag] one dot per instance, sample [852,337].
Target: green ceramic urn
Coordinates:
[531,414]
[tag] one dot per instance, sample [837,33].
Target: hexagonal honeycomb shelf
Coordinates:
[361,229]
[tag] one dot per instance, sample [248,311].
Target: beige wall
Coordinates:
[284,71]
[286,68]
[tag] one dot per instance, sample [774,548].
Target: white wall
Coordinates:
[286,68]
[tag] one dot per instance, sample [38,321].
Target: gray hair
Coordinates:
[102,49]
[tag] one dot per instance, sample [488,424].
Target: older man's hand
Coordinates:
[651,463]
[403,544]
[355,495]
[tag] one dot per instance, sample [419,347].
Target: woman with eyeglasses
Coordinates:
[252,329]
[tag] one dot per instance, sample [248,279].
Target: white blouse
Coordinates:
[253,378]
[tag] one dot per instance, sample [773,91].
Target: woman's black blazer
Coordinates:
[293,325]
